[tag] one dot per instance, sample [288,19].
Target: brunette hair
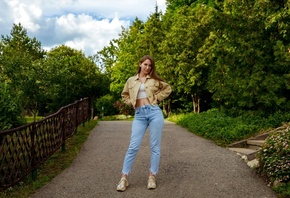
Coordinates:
[152,73]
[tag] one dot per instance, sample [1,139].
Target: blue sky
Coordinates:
[86,25]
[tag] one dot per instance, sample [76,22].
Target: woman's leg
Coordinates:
[156,127]
[139,127]
[156,123]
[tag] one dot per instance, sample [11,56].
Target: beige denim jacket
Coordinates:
[156,90]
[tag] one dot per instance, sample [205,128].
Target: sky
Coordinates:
[86,25]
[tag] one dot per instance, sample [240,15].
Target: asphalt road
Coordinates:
[190,167]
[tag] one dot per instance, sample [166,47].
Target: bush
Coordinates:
[105,106]
[217,126]
[274,156]
[224,129]
[282,190]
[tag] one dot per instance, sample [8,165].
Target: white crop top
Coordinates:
[142,92]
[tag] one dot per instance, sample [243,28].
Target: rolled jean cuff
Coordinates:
[153,173]
[125,173]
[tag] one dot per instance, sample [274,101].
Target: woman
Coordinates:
[143,92]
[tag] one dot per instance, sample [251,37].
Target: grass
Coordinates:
[224,129]
[282,190]
[58,162]
[30,119]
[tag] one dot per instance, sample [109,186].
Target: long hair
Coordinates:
[152,73]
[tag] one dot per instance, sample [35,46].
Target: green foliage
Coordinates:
[130,50]
[224,129]
[245,72]
[175,4]
[30,119]
[275,119]
[282,190]
[153,35]
[274,157]
[69,76]
[9,107]
[40,82]
[105,105]
[107,57]
[20,59]
[189,27]
[18,53]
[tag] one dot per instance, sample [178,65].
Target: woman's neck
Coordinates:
[142,75]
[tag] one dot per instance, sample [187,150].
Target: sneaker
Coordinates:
[151,182]
[122,185]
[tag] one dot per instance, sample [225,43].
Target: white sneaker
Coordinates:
[151,182]
[122,185]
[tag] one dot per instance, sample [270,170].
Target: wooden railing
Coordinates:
[24,148]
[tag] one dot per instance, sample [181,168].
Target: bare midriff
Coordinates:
[142,102]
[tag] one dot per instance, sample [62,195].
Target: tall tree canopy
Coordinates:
[249,60]
[69,76]
[20,58]
[227,54]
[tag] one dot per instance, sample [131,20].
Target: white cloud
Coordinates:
[27,15]
[84,33]
[86,25]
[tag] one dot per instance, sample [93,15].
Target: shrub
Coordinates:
[274,157]
[224,129]
[105,106]
[217,126]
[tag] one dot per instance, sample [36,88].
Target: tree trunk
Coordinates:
[196,103]
[34,111]
[169,106]
[164,108]
[92,107]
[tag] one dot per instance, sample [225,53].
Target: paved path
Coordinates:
[191,167]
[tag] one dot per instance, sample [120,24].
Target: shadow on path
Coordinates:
[190,167]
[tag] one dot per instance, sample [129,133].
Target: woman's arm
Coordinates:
[164,92]
[125,94]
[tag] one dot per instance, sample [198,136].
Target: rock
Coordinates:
[253,163]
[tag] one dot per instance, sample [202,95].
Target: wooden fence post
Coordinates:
[83,112]
[76,117]
[63,124]
[33,152]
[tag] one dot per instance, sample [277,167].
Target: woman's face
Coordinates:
[146,67]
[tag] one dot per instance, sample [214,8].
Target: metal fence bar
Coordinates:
[25,148]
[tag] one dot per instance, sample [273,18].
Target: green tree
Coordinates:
[105,105]
[152,38]
[249,58]
[176,4]
[130,50]
[18,52]
[10,108]
[153,35]
[123,54]
[19,60]
[69,76]
[190,27]
[107,57]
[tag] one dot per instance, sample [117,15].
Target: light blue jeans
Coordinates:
[145,116]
